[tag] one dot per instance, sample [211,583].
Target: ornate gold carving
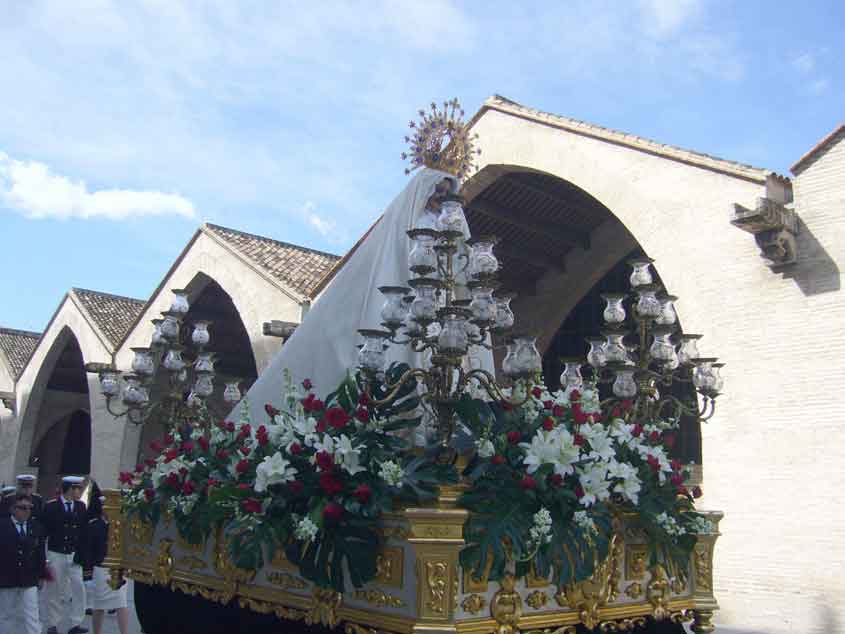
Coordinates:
[232,575]
[436,579]
[286,581]
[534,581]
[703,556]
[378,598]
[636,561]
[681,616]
[678,584]
[703,622]
[437,531]
[141,532]
[267,607]
[141,575]
[115,538]
[563,629]
[394,532]
[474,603]
[324,605]
[657,592]
[506,606]
[634,590]
[390,564]
[537,599]
[183,544]
[471,584]
[622,625]
[137,552]
[218,596]
[280,560]
[189,562]
[164,563]
[596,592]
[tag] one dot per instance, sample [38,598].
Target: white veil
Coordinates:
[323,346]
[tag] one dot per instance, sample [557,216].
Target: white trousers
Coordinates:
[66,574]
[19,611]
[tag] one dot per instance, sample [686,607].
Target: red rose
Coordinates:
[171,454]
[579,491]
[332,513]
[578,439]
[150,462]
[557,410]
[271,411]
[616,412]
[637,430]
[322,426]
[627,405]
[677,479]
[514,437]
[296,487]
[318,405]
[306,383]
[125,477]
[654,463]
[246,430]
[548,404]
[155,446]
[212,483]
[263,439]
[579,416]
[188,446]
[654,436]
[203,441]
[222,454]
[149,494]
[697,492]
[677,465]
[168,439]
[363,492]
[251,505]
[172,480]
[139,468]
[669,440]
[549,423]
[498,459]
[574,395]
[230,426]
[362,414]
[242,466]
[325,461]
[330,483]
[527,482]
[245,450]
[243,486]
[537,392]
[188,487]
[556,480]
[363,399]
[261,431]
[295,449]
[336,417]
[597,417]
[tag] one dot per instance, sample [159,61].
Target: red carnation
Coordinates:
[514,437]
[271,411]
[149,494]
[616,412]
[697,492]
[242,466]
[322,426]
[574,395]
[251,505]
[332,513]
[537,392]
[156,446]
[263,439]
[245,450]
[677,479]
[654,436]
[330,483]
[188,446]
[527,482]
[557,410]
[325,461]
[171,455]
[125,477]
[306,383]
[637,430]
[579,491]
[363,492]
[549,423]
[362,414]
[556,480]
[578,440]
[597,417]
[548,404]
[295,449]
[188,487]
[246,430]
[222,454]
[150,462]
[677,465]
[172,480]
[654,463]
[337,417]
[579,416]
[168,439]
[498,459]
[203,441]
[296,487]
[139,468]
[230,426]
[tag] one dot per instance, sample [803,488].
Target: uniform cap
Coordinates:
[25,477]
[73,480]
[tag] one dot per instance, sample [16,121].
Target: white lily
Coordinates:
[273,469]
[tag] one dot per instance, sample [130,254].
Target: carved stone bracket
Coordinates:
[774,228]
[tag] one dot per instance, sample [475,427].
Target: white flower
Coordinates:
[326,443]
[305,530]
[600,443]
[701,525]
[583,520]
[556,447]
[347,456]
[669,524]
[485,448]
[273,470]
[594,482]
[590,403]
[306,428]
[391,473]
[541,532]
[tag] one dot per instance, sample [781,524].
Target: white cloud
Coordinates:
[664,18]
[326,227]
[804,63]
[819,86]
[30,188]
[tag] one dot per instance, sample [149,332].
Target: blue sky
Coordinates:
[124,125]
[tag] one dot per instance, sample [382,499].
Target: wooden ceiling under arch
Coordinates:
[537,217]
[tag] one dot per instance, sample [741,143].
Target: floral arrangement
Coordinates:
[546,478]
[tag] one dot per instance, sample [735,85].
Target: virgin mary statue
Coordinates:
[323,347]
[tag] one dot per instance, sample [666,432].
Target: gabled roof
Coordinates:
[697,159]
[298,268]
[113,315]
[801,164]
[17,347]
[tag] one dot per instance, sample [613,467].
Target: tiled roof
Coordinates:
[805,160]
[18,346]
[114,315]
[690,157]
[299,268]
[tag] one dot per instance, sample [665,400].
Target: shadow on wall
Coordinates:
[815,272]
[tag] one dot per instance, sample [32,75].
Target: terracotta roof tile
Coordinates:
[114,315]
[298,267]
[18,346]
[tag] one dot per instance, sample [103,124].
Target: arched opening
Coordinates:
[230,343]
[560,248]
[62,431]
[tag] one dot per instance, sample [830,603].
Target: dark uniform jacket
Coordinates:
[94,544]
[23,558]
[64,530]
[9,501]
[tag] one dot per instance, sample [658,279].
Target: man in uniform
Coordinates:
[23,570]
[26,486]
[64,519]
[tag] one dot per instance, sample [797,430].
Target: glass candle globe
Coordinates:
[504,314]
[648,305]
[142,363]
[527,358]
[200,335]
[135,394]
[173,360]
[422,258]
[595,355]
[689,349]
[371,356]
[453,335]
[509,362]
[394,310]
[158,338]
[667,315]
[641,275]
[204,362]
[170,326]
[624,385]
[204,385]
[451,218]
[110,383]
[424,306]
[232,392]
[483,306]
[703,376]
[614,348]
[662,349]
[719,381]
[571,375]
[179,304]
[482,261]
[614,312]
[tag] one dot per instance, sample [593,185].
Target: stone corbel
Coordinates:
[774,227]
[276,328]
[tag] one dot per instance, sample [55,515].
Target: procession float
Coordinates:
[415,472]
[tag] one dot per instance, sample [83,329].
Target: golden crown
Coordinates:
[441,140]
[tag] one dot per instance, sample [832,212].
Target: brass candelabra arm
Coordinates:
[393,389]
[488,382]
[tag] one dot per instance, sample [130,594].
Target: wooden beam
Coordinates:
[537,260]
[567,236]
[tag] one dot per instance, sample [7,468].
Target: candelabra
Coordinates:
[448,307]
[653,360]
[188,369]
